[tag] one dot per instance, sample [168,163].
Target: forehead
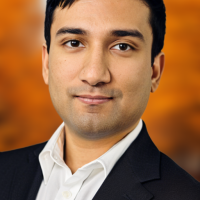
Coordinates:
[102,16]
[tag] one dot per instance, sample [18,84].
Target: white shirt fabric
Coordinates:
[60,184]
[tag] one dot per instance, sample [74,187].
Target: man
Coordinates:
[101,60]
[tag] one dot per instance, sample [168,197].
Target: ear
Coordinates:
[45,64]
[157,70]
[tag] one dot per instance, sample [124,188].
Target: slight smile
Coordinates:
[93,100]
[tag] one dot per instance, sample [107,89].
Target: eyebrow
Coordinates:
[124,33]
[66,30]
[117,33]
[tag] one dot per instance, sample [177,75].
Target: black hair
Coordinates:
[157,21]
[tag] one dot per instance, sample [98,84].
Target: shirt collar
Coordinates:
[109,158]
[53,152]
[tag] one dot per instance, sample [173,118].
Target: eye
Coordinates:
[122,47]
[74,44]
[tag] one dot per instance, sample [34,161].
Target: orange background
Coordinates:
[172,117]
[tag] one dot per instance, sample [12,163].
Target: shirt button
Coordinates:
[67,194]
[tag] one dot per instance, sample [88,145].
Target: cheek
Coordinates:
[133,77]
[134,80]
[63,73]
[63,70]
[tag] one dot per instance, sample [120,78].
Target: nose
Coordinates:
[95,71]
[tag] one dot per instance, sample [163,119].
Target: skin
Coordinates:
[98,66]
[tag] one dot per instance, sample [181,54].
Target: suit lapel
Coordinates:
[28,178]
[140,163]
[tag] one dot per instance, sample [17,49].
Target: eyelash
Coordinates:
[73,41]
[129,46]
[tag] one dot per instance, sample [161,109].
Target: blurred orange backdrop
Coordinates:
[172,117]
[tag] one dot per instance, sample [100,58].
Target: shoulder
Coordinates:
[15,157]
[175,183]
[170,170]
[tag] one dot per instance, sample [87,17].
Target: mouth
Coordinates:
[93,100]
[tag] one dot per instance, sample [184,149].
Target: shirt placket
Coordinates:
[71,187]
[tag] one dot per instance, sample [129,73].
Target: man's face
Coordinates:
[99,66]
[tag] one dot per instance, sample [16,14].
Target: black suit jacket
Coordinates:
[142,173]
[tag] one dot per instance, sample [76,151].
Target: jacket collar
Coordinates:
[28,177]
[139,164]
[144,157]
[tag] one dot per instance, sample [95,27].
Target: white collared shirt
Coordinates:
[60,184]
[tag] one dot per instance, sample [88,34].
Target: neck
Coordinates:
[80,151]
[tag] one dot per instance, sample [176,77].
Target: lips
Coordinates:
[94,100]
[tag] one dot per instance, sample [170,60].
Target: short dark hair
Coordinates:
[157,21]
